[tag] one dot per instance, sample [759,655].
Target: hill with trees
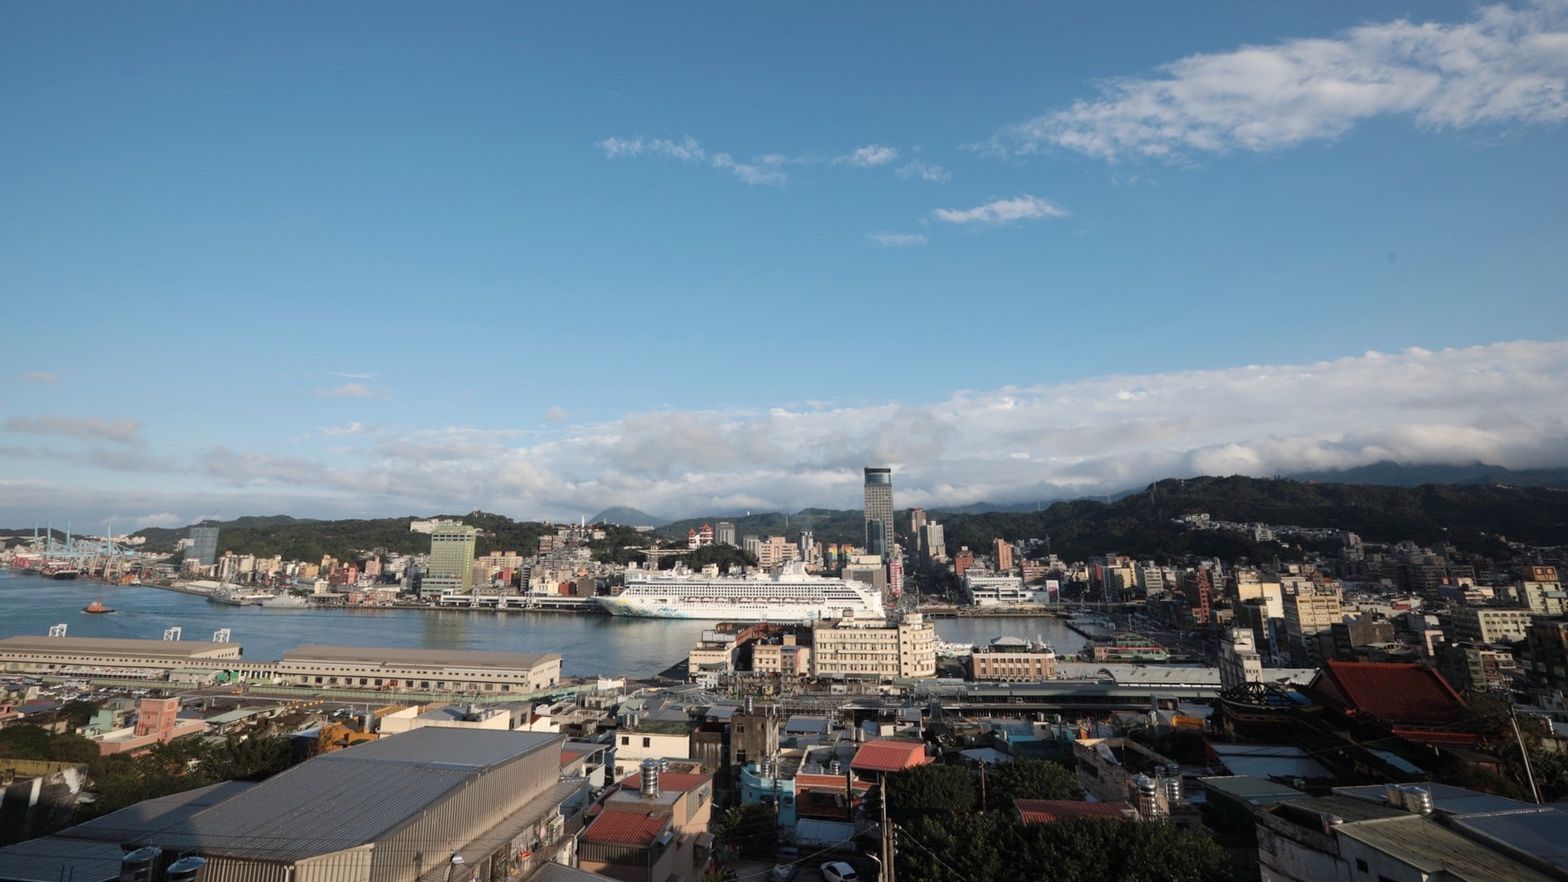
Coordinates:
[1471,516]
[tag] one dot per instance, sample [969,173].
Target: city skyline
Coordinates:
[438,262]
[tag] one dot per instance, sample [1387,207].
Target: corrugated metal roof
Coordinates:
[559,873]
[151,815]
[346,799]
[1253,791]
[157,648]
[1538,831]
[459,658]
[1270,761]
[1445,798]
[53,858]
[476,748]
[1428,846]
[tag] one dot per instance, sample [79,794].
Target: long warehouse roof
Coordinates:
[119,645]
[467,658]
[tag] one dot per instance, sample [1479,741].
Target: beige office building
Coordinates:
[857,648]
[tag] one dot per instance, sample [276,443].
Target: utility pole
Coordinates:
[984,803]
[1524,752]
[888,837]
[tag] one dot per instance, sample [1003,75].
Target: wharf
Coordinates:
[1022,610]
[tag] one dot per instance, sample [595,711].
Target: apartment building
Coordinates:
[865,649]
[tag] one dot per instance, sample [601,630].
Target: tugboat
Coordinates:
[97,608]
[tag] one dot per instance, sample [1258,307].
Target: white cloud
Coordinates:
[352,427]
[919,169]
[159,519]
[764,170]
[347,390]
[1505,403]
[121,431]
[896,240]
[1002,211]
[1506,66]
[353,376]
[40,377]
[687,149]
[869,156]
[556,414]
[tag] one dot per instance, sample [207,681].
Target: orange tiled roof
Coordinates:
[1044,811]
[889,756]
[626,828]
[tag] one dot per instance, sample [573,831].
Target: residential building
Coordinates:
[1476,667]
[962,561]
[873,649]
[1012,660]
[917,526]
[654,828]
[656,739]
[1546,652]
[1541,593]
[879,511]
[776,551]
[451,559]
[1480,624]
[724,533]
[1240,662]
[1310,611]
[1002,555]
[782,655]
[933,543]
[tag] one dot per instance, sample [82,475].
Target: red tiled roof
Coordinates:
[889,756]
[1408,697]
[1044,811]
[670,782]
[626,828]
[568,755]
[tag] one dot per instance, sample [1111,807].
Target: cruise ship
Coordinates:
[792,596]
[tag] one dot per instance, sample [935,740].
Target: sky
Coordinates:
[394,258]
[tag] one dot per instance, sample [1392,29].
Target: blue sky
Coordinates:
[387,258]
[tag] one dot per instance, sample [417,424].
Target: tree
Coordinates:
[1029,779]
[928,790]
[77,712]
[995,845]
[751,830]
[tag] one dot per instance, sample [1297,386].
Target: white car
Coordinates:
[838,871]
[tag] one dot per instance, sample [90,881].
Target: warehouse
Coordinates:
[403,809]
[442,670]
[87,655]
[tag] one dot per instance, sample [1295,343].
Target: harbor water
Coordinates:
[589,644]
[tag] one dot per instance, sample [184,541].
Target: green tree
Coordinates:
[77,712]
[928,790]
[1029,779]
[995,845]
[751,830]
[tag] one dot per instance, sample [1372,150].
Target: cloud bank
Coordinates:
[1507,66]
[1505,403]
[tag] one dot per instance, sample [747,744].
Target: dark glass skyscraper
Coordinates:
[879,511]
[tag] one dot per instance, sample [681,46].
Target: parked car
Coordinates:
[838,871]
[784,872]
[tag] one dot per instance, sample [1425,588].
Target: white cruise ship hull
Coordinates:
[784,613]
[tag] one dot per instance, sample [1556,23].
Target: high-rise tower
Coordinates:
[879,511]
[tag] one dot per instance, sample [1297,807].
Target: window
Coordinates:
[647,742]
[626,740]
[1361,865]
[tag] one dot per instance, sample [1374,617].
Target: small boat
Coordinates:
[97,608]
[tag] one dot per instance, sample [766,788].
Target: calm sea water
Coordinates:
[589,644]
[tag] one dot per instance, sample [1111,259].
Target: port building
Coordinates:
[418,806]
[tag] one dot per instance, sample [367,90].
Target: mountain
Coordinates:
[627,516]
[1399,474]
[825,524]
[307,539]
